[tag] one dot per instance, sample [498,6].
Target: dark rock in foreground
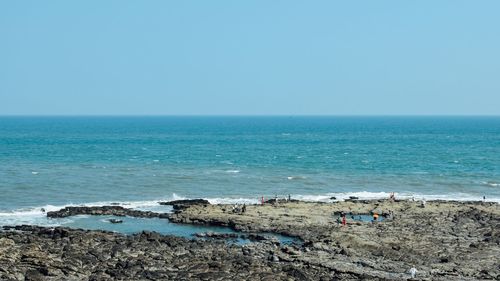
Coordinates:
[37,253]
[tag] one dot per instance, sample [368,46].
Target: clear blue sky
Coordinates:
[250,57]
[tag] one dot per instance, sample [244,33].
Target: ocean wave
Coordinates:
[229,200]
[490,183]
[232,171]
[37,215]
[296,177]
[340,196]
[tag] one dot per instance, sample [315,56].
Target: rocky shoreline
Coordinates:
[443,241]
[105,210]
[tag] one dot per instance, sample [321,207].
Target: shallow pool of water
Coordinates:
[131,225]
[363,218]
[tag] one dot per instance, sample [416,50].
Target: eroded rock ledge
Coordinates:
[186,202]
[104,210]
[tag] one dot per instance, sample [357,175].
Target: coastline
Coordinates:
[445,240]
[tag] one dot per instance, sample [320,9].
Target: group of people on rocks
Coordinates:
[342,219]
[276,200]
[239,210]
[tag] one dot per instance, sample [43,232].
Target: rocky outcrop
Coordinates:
[445,240]
[104,210]
[182,204]
[186,202]
[36,253]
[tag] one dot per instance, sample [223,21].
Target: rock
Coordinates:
[115,221]
[34,275]
[274,258]
[105,210]
[217,235]
[186,202]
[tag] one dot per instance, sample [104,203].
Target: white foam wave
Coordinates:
[416,196]
[341,196]
[232,171]
[490,183]
[364,195]
[296,178]
[37,215]
[228,200]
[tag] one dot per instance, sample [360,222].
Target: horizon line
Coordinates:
[249,115]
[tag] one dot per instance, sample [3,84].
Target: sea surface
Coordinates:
[52,162]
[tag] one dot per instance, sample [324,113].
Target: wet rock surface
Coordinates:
[443,241]
[105,210]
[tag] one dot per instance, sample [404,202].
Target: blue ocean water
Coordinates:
[52,162]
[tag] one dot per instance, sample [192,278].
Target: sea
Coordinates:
[47,163]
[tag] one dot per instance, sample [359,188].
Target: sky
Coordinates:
[266,57]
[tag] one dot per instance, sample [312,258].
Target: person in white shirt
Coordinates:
[413,272]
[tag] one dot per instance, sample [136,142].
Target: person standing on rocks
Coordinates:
[344,220]
[413,272]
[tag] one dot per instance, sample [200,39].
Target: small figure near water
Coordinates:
[423,203]
[344,220]
[375,217]
[339,220]
[237,209]
[289,198]
[413,272]
[484,198]
[391,215]
[244,208]
[392,197]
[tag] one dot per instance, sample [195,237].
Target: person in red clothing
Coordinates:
[344,221]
